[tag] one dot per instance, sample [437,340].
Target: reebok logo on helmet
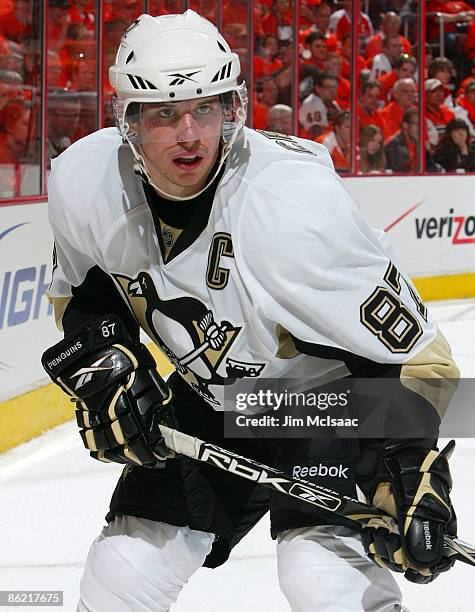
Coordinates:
[179,78]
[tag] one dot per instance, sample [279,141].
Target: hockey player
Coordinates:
[240,254]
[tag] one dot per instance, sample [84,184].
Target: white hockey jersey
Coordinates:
[285,255]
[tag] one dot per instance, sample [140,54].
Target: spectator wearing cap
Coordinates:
[467,100]
[405,68]
[391,24]
[279,119]
[319,109]
[315,51]
[437,113]
[386,60]
[455,151]
[338,142]
[401,150]
[404,94]
[368,109]
[346,53]
[321,22]
[371,158]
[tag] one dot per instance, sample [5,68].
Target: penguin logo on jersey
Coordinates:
[200,342]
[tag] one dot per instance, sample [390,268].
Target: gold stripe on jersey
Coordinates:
[432,374]
[59,306]
[170,235]
[286,348]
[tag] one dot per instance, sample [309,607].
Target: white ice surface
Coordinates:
[53,499]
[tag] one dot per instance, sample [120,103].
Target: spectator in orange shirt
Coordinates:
[322,20]
[279,119]
[452,11]
[346,53]
[436,112]
[467,79]
[82,13]
[16,24]
[371,158]
[368,112]
[333,65]
[391,24]
[342,23]
[405,68]
[467,100]
[279,20]
[315,51]
[266,97]
[267,62]
[338,142]
[401,151]
[404,93]
[386,60]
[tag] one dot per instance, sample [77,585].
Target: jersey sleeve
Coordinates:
[316,269]
[80,289]
[72,257]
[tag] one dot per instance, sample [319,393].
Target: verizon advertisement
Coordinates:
[26,319]
[430,220]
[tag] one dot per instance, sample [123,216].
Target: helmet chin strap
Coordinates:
[140,168]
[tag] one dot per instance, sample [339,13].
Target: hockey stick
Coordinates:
[294,487]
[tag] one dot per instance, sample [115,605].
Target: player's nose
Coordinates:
[187,129]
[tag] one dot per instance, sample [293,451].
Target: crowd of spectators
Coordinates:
[318,102]
[387,70]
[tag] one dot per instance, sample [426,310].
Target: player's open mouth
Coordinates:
[188,162]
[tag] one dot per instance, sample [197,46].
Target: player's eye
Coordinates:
[203,109]
[166,112]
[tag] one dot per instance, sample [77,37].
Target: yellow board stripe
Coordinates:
[450,287]
[27,416]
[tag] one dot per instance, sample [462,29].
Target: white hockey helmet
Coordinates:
[172,58]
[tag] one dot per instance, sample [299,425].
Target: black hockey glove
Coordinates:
[120,398]
[412,484]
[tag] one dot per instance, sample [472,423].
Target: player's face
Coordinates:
[180,142]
